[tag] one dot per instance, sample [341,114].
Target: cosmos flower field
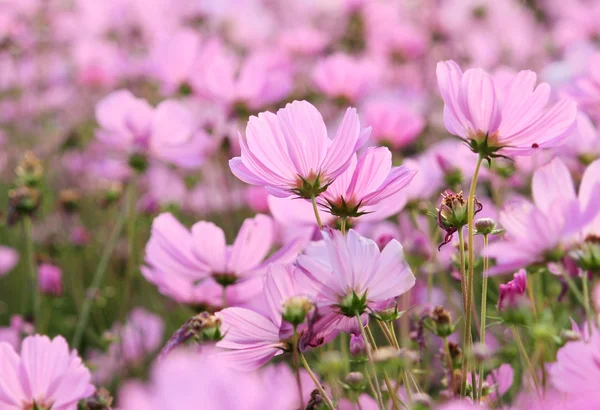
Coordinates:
[299,204]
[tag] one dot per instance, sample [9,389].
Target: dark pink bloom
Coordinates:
[50,279]
[513,292]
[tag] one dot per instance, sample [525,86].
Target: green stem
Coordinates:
[343,225]
[483,310]
[450,366]
[131,260]
[318,385]
[463,273]
[297,365]
[586,301]
[30,251]
[316,211]
[369,347]
[471,266]
[406,385]
[525,357]
[573,288]
[98,279]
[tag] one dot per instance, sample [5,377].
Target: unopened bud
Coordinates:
[480,352]
[570,335]
[421,401]
[331,362]
[69,200]
[355,380]
[485,226]
[296,308]
[22,201]
[138,162]
[50,279]
[357,345]
[456,354]
[112,193]
[442,322]
[30,170]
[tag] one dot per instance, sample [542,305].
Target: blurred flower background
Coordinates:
[194,187]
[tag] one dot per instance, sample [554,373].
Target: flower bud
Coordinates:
[442,322]
[296,308]
[69,200]
[456,354]
[101,400]
[50,279]
[112,194]
[512,294]
[587,255]
[29,171]
[357,345]
[22,201]
[569,335]
[138,162]
[355,380]
[485,226]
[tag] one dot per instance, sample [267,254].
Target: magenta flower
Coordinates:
[365,183]
[544,230]
[45,375]
[251,339]
[50,279]
[512,293]
[497,119]
[291,154]
[167,133]
[351,276]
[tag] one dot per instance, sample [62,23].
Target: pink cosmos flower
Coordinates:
[16,331]
[251,339]
[350,275]
[393,122]
[215,386]
[585,143]
[365,183]
[8,259]
[193,267]
[577,369]
[290,152]
[544,229]
[45,375]
[50,279]
[168,133]
[344,77]
[585,88]
[489,115]
[513,292]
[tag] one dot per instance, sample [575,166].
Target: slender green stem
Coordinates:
[315,380]
[369,347]
[131,260]
[586,301]
[471,266]
[525,357]
[483,310]
[296,365]
[98,279]
[316,211]
[450,366]
[463,273]
[573,287]
[30,251]
[406,385]
[343,225]
[393,395]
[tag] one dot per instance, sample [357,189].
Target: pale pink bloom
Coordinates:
[350,275]
[552,223]
[556,400]
[18,328]
[295,218]
[585,88]
[215,386]
[141,335]
[500,381]
[45,374]
[490,116]
[8,259]
[167,133]
[256,198]
[303,40]
[365,402]
[97,62]
[393,122]
[577,22]
[366,183]
[164,187]
[251,339]
[261,78]
[193,266]
[343,76]
[50,279]
[512,293]
[585,142]
[291,152]
[577,367]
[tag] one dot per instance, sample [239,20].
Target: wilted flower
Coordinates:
[452,214]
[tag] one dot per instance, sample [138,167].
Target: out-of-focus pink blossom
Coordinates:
[45,375]
[291,153]
[393,122]
[50,279]
[344,77]
[490,116]
[512,293]
[8,259]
